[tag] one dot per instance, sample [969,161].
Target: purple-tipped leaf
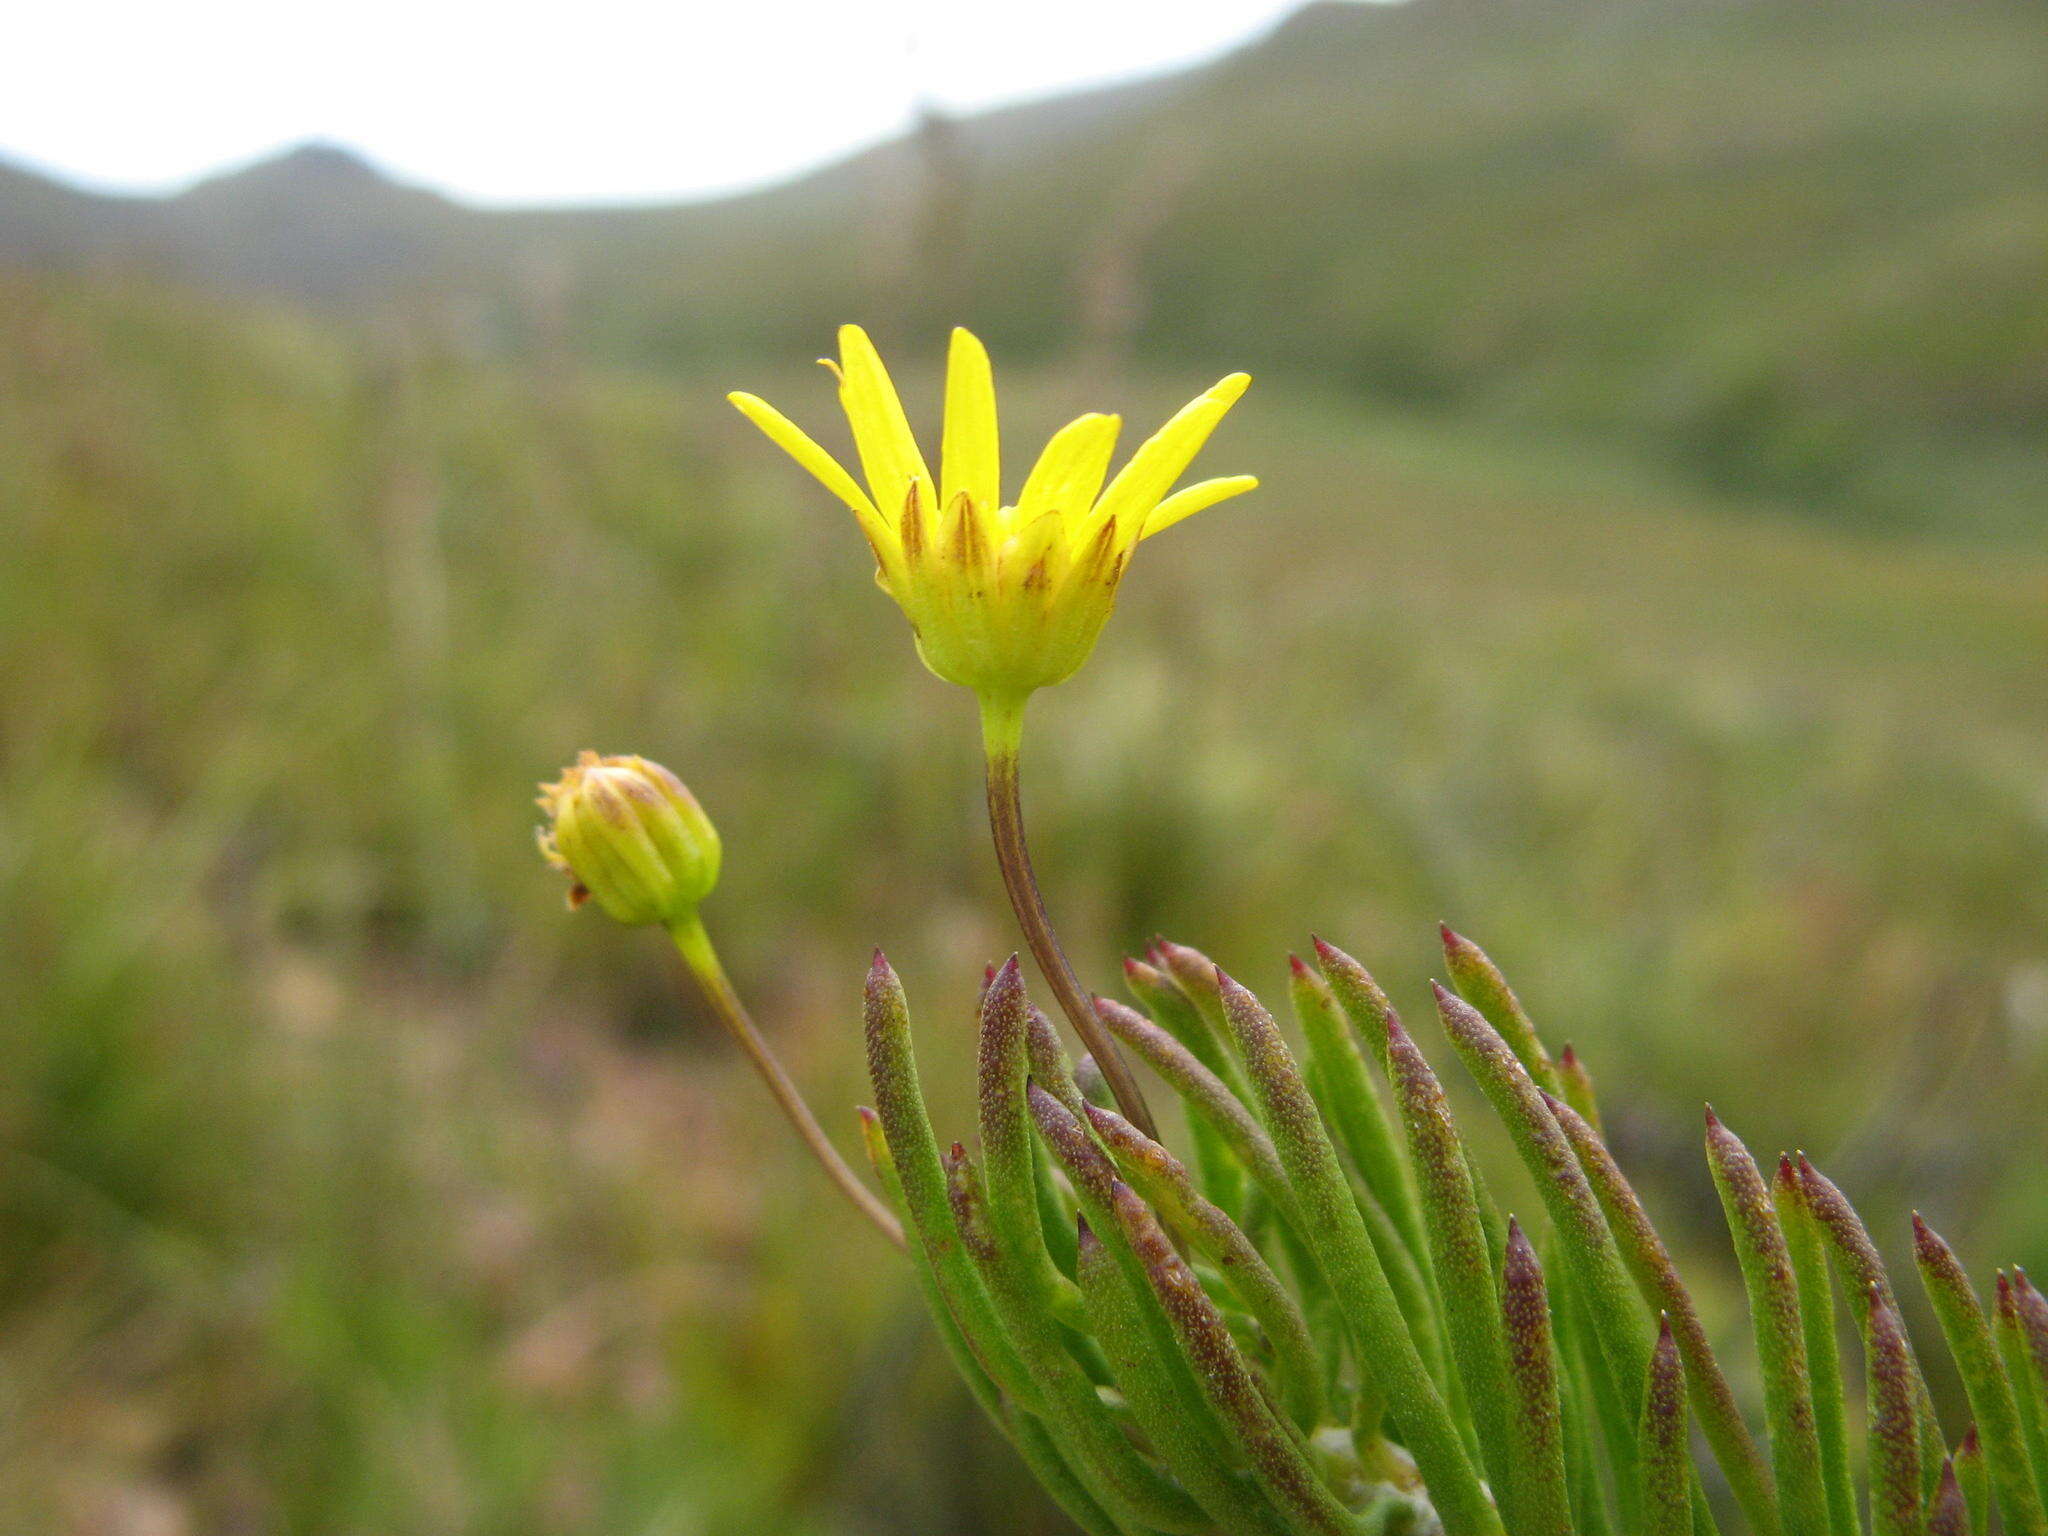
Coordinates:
[1007,1145]
[1656,1276]
[1336,1229]
[1458,1251]
[1666,1469]
[1780,1330]
[1480,983]
[1161,1179]
[1153,1383]
[1984,1380]
[2009,1327]
[1948,1514]
[1578,1087]
[1808,1247]
[1895,1508]
[1277,1459]
[1591,1257]
[1117,1476]
[1975,1479]
[1857,1259]
[1206,1096]
[1532,1484]
[1357,994]
[922,1177]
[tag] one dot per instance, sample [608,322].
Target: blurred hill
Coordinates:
[1794,251]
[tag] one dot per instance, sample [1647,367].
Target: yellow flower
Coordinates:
[627,832]
[1003,597]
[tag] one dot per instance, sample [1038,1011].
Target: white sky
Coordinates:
[588,99]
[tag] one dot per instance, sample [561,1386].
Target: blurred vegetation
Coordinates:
[348,1185]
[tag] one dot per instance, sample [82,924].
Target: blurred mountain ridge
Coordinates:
[1798,252]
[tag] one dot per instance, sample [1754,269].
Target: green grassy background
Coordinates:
[1675,627]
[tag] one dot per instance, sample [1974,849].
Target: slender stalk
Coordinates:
[694,945]
[1002,728]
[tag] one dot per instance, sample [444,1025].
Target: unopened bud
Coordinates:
[628,833]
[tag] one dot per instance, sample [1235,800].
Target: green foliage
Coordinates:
[1380,1449]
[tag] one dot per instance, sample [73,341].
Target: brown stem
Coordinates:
[1001,729]
[694,945]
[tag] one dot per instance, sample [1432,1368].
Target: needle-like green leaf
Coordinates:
[1155,1395]
[1536,1500]
[1598,1282]
[1656,1277]
[1161,1179]
[1353,1109]
[1224,1179]
[1984,1380]
[1895,1508]
[1278,1460]
[1458,1252]
[914,1153]
[1578,1088]
[1780,1331]
[1480,983]
[2009,1326]
[1948,1514]
[1583,1431]
[1194,974]
[1808,1247]
[1207,1096]
[1126,1485]
[1336,1229]
[1667,1473]
[1090,1173]
[2033,1311]
[1358,995]
[1856,1257]
[1180,993]
[1975,1480]
[1009,1150]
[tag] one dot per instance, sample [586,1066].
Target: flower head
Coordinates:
[1003,597]
[628,833]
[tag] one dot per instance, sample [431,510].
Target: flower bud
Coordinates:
[628,833]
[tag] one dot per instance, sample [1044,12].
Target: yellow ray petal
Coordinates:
[1070,471]
[888,452]
[1198,497]
[1141,484]
[970,453]
[794,441]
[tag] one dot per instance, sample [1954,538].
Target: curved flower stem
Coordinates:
[1002,731]
[694,945]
